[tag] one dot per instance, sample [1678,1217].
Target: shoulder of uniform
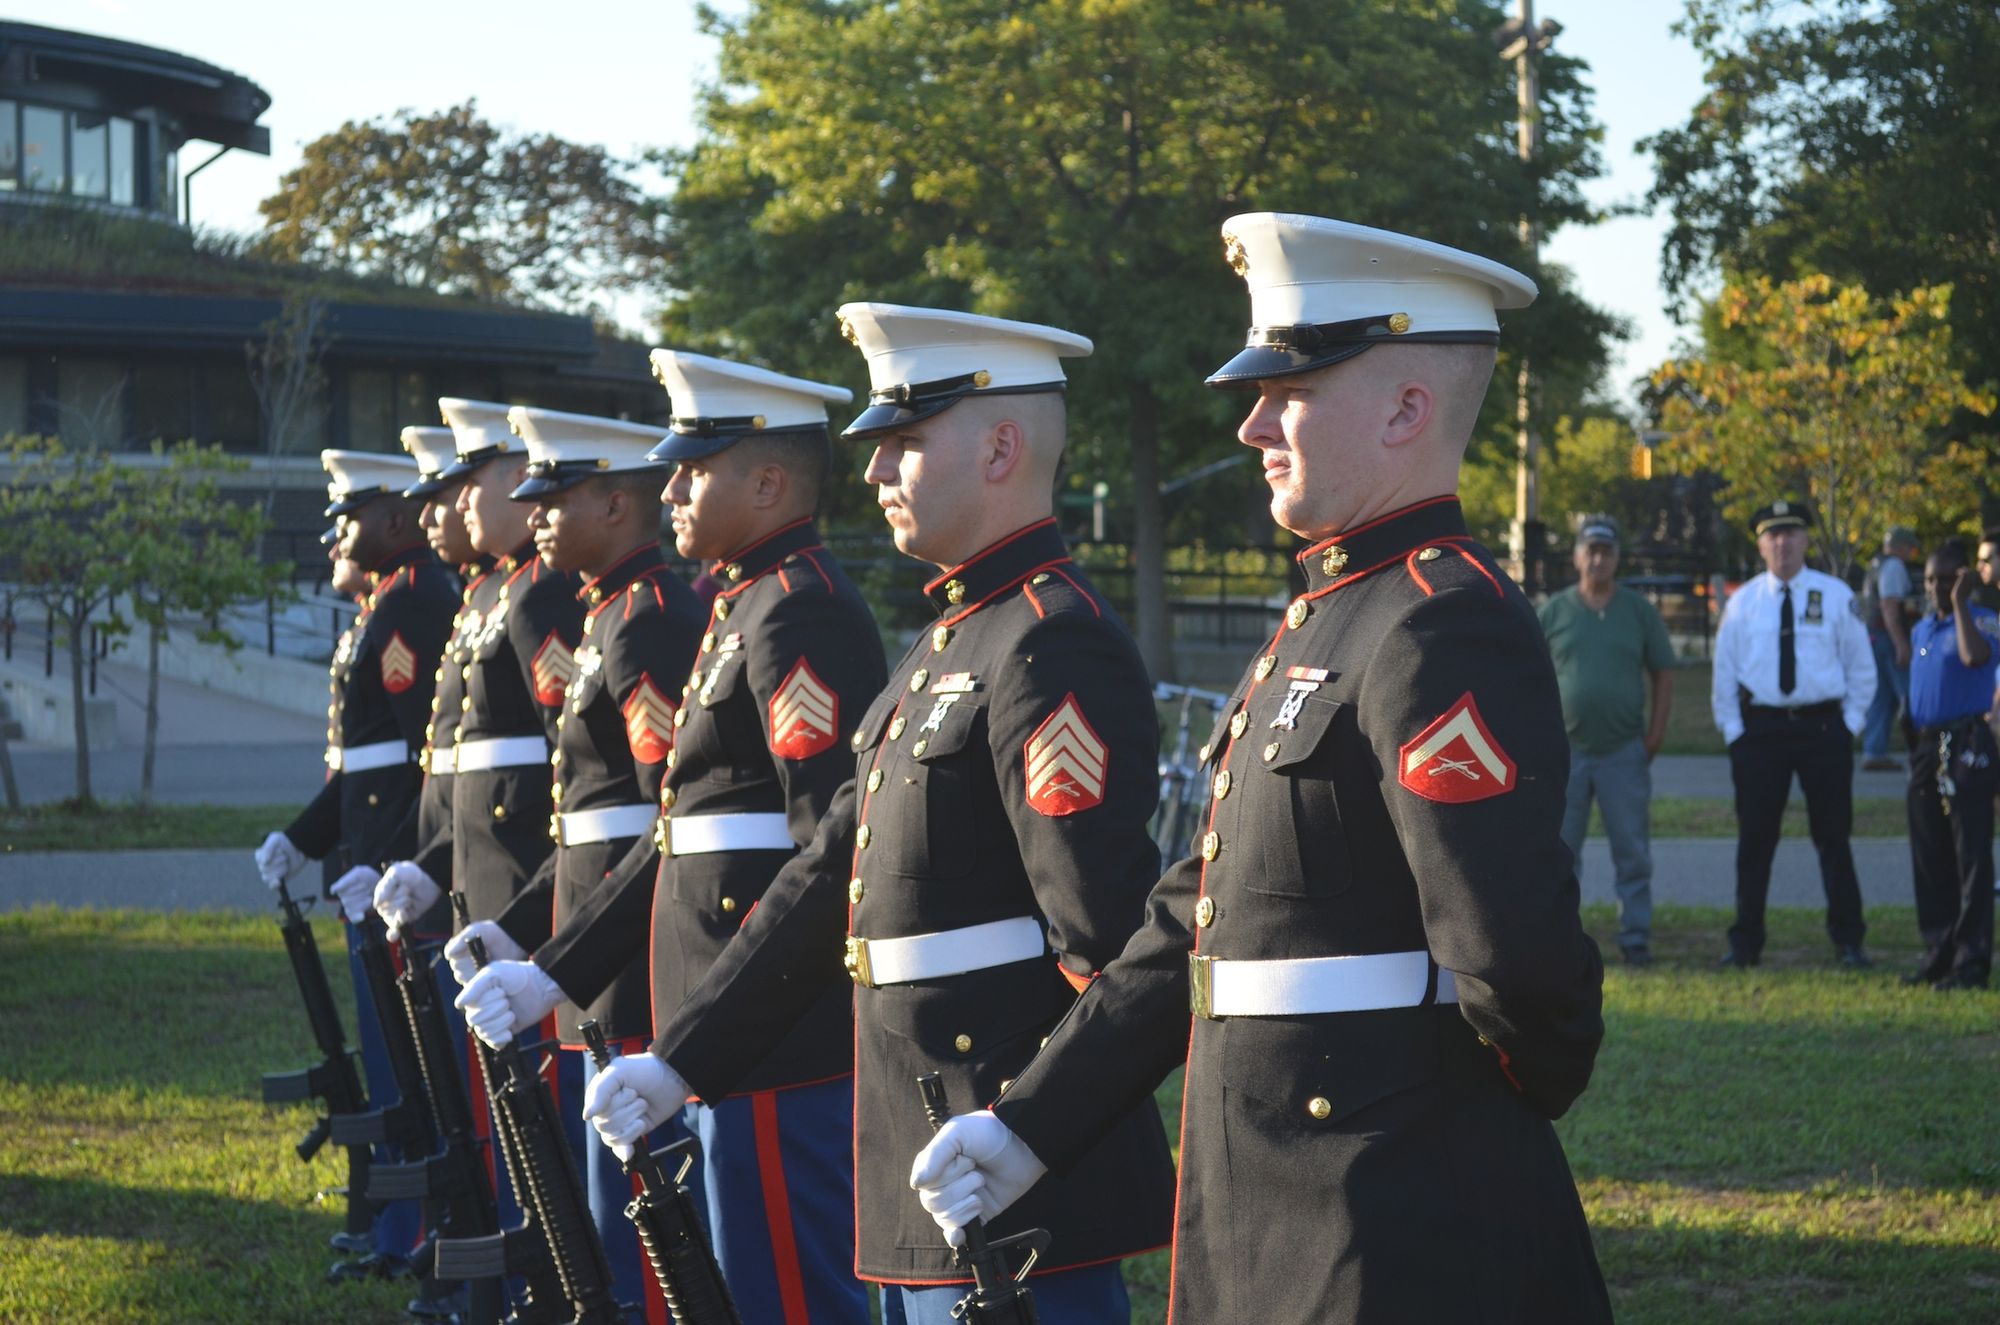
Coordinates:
[810,572]
[1060,591]
[1455,564]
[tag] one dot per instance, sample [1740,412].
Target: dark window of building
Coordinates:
[162,403]
[42,166]
[371,410]
[10,146]
[89,155]
[229,413]
[13,395]
[90,402]
[124,162]
[416,405]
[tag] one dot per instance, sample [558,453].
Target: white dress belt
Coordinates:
[502,752]
[605,825]
[362,758]
[698,834]
[441,762]
[1306,986]
[873,962]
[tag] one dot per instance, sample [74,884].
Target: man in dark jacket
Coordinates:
[1378,933]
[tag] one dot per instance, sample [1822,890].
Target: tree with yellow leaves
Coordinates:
[1818,390]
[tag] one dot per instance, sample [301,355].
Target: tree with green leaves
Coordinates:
[61,528]
[1850,137]
[448,202]
[1071,162]
[191,554]
[1830,395]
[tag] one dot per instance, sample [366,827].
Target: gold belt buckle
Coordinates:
[856,961]
[1201,986]
[663,836]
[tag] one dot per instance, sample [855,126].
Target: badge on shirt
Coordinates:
[805,715]
[1066,763]
[399,665]
[948,689]
[1303,681]
[553,667]
[649,722]
[1815,607]
[1456,759]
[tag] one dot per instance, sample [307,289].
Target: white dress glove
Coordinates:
[278,860]
[354,890]
[404,894]
[505,996]
[630,1098]
[974,1168]
[500,947]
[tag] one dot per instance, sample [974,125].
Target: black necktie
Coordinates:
[1788,660]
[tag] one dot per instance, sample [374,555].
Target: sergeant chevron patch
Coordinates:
[399,665]
[553,668]
[649,722]
[805,715]
[1066,763]
[1456,759]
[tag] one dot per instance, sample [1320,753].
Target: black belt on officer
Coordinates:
[1825,708]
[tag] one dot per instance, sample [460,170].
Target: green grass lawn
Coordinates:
[1797,1143]
[1709,816]
[124,827]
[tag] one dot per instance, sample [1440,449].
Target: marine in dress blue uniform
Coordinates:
[1954,769]
[1377,935]
[383,676]
[596,511]
[988,854]
[1793,677]
[789,662]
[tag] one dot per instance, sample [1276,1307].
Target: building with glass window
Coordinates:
[92,133]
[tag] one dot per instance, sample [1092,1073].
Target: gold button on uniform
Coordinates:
[939,638]
[917,750]
[919,679]
[1319,1107]
[1270,752]
[673,757]
[667,798]
[1430,554]
[874,779]
[862,836]
[1204,912]
[1211,846]
[722,609]
[1201,755]
[1222,784]
[464,673]
[373,799]
[499,813]
[896,728]
[588,622]
[855,892]
[1265,664]
[1042,578]
[708,641]
[729,903]
[963,1044]
[1295,616]
[1239,724]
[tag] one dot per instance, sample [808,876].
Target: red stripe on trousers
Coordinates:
[778,1206]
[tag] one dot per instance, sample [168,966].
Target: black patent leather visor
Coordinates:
[1286,351]
[350,502]
[694,439]
[898,407]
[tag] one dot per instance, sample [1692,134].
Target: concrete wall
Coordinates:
[41,705]
[281,683]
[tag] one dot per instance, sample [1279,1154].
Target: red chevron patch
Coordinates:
[1066,763]
[805,715]
[399,665]
[1456,759]
[649,722]
[554,668]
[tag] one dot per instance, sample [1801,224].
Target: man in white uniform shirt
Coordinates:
[1793,679]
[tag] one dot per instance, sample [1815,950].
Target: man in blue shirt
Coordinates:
[1954,768]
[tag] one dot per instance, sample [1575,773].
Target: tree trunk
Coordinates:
[155,632]
[79,640]
[1149,536]
[13,789]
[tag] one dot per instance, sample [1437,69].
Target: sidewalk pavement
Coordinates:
[1708,776]
[1689,871]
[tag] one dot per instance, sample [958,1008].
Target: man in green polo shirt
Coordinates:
[1605,640]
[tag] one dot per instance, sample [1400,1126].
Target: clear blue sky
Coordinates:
[623,75]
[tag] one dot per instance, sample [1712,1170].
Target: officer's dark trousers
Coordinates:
[1813,745]
[1951,844]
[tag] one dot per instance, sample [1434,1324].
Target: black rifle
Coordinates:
[546,1181]
[669,1229]
[997,1297]
[407,1122]
[455,1179]
[334,1079]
